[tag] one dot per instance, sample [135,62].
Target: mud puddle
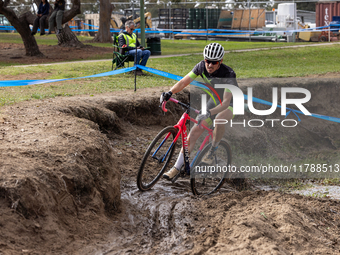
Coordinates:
[309,189]
[94,145]
[153,220]
[320,191]
[161,220]
[157,220]
[169,220]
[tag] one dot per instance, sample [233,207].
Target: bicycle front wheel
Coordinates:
[156,158]
[206,179]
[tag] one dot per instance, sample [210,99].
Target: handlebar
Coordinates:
[187,106]
[164,103]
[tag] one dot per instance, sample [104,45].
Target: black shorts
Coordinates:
[210,105]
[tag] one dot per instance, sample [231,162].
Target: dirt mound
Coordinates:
[311,135]
[68,170]
[57,173]
[60,173]
[266,223]
[167,220]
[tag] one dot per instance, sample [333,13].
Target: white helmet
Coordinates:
[213,52]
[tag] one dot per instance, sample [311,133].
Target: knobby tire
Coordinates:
[152,168]
[204,184]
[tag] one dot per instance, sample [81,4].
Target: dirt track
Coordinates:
[68,169]
[15,53]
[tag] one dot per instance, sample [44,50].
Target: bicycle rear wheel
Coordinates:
[156,158]
[207,179]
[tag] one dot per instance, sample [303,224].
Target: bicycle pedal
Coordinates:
[160,159]
[173,180]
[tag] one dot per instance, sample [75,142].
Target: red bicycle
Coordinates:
[204,179]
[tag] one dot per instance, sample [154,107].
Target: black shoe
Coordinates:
[58,31]
[139,73]
[48,33]
[42,34]
[33,33]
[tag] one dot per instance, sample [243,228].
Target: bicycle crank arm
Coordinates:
[176,177]
[159,159]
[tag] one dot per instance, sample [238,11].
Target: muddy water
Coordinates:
[157,221]
[312,190]
[153,220]
[163,220]
[317,190]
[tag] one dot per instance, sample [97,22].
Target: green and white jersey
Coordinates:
[223,75]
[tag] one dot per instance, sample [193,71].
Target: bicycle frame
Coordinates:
[182,131]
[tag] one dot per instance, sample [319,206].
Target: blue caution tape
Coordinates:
[256,100]
[85,30]
[170,76]
[11,83]
[34,82]
[89,25]
[319,116]
[27,82]
[7,28]
[332,27]
[206,33]
[294,113]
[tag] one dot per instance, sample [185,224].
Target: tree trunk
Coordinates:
[22,27]
[29,41]
[104,34]
[22,23]
[68,39]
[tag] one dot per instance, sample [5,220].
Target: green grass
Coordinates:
[269,63]
[87,86]
[16,39]
[258,64]
[194,46]
[168,46]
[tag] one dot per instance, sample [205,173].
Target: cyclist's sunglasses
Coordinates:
[211,62]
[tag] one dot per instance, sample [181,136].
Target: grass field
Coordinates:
[168,46]
[257,64]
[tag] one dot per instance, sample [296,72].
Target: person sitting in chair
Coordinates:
[128,40]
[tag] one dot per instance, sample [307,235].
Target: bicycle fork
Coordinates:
[161,158]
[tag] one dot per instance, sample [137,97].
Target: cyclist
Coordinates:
[213,72]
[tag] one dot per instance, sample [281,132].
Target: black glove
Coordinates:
[165,96]
[202,117]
